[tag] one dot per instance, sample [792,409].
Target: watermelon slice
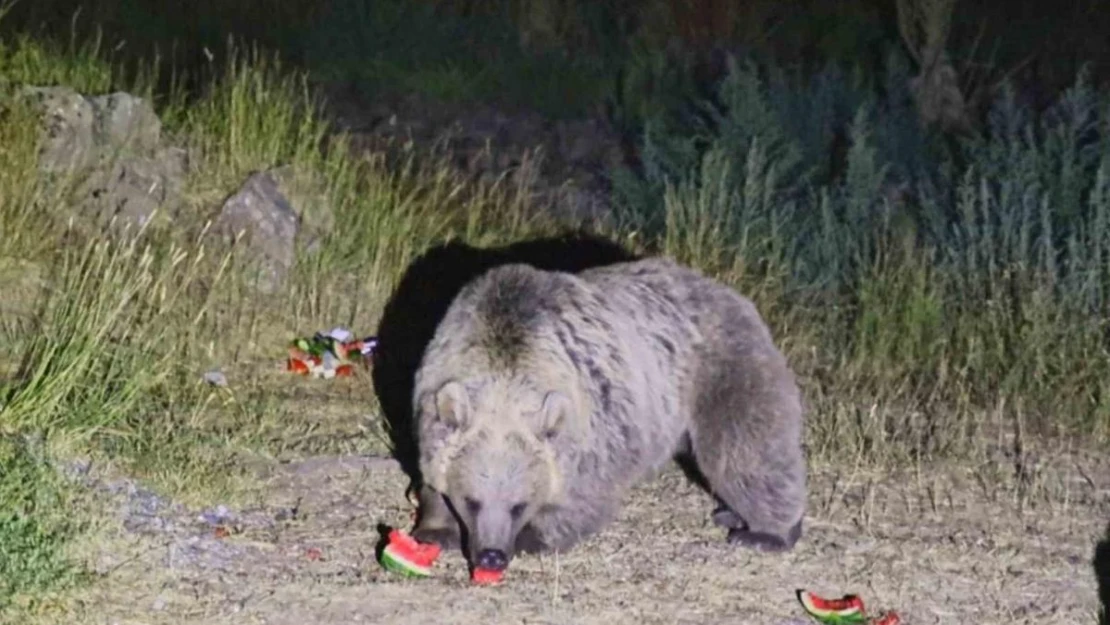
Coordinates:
[405,555]
[485,576]
[848,609]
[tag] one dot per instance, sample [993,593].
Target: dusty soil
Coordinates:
[938,544]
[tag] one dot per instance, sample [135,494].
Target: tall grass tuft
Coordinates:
[111,328]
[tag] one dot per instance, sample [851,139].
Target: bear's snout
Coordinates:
[493,559]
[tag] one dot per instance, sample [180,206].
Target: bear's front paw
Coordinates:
[444,537]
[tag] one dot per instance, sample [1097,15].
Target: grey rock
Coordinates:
[130,190]
[80,131]
[216,378]
[145,512]
[68,118]
[306,193]
[277,212]
[261,214]
[173,163]
[215,516]
[111,143]
[125,122]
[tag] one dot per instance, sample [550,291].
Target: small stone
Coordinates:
[215,378]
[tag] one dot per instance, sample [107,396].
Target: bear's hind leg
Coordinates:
[746,443]
[740,533]
[761,506]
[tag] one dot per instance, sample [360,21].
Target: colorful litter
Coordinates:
[847,609]
[329,354]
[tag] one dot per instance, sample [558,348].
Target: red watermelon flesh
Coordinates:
[848,609]
[485,576]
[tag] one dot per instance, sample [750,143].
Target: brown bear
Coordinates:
[544,396]
[425,292]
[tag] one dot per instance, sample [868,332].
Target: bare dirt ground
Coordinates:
[939,545]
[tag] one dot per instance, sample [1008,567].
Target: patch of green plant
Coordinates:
[36,523]
[25,60]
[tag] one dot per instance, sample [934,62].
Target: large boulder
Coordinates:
[111,145]
[307,192]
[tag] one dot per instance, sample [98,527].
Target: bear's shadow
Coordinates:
[1102,576]
[422,297]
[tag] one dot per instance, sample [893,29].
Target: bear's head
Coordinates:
[489,449]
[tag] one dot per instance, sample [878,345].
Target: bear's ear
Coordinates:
[450,404]
[554,415]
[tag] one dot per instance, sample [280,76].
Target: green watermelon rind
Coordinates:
[832,617]
[397,563]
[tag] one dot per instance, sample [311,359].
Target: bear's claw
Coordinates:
[765,541]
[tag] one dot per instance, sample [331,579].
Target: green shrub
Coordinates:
[983,285]
[34,525]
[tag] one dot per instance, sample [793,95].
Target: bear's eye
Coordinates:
[518,509]
[473,506]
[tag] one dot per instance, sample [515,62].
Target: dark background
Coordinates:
[565,57]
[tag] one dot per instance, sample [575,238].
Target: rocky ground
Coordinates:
[937,545]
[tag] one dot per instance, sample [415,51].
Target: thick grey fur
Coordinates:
[560,392]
